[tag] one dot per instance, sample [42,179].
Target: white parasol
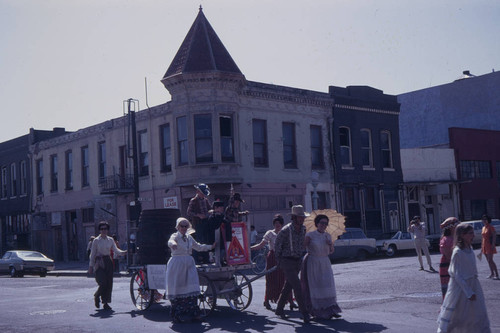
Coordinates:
[336,224]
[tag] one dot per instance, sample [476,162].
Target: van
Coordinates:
[478,228]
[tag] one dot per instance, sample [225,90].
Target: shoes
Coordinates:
[336,315]
[281,314]
[106,307]
[496,278]
[306,318]
[293,305]
[421,269]
[96,302]
[432,269]
[490,276]
[267,305]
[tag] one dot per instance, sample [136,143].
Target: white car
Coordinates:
[478,228]
[401,241]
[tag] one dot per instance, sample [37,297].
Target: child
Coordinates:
[463,309]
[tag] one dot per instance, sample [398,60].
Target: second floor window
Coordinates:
[345,146]
[166,149]
[101,159]
[4,182]
[475,169]
[24,178]
[85,166]
[386,149]
[366,148]
[182,141]
[53,173]
[203,138]
[39,177]
[69,169]
[143,153]
[13,180]
[226,139]
[259,128]
[316,148]
[289,147]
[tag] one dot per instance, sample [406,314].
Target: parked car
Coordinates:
[401,241]
[20,262]
[478,228]
[434,240]
[353,244]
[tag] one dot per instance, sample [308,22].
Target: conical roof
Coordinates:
[201,51]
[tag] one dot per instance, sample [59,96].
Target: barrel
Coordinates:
[153,231]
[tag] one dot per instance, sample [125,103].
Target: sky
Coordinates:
[72,63]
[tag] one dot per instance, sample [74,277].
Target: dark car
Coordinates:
[21,262]
[353,244]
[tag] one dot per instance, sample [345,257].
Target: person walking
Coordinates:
[463,309]
[446,245]
[318,284]
[488,247]
[101,263]
[418,229]
[183,285]
[289,248]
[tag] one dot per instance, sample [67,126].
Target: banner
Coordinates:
[237,249]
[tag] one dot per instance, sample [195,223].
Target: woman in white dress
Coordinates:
[183,285]
[318,284]
[463,309]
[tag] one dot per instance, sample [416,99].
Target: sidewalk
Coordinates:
[76,268]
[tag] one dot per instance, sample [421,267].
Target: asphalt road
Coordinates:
[377,295]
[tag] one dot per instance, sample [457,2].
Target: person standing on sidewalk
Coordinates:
[102,265]
[289,249]
[418,229]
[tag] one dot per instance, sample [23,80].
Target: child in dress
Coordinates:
[463,309]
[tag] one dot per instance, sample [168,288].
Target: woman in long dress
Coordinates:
[276,279]
[446,249]
[318,284]
[488,245]
[183,285]
[463,308]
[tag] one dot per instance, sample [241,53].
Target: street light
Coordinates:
[314,183]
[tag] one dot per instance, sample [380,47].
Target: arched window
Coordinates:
[345,146]
[386,149]
[366,148]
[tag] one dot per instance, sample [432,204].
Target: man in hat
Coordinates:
[197,213]
[418,228]
[233,213]
[217,224]
[289,249]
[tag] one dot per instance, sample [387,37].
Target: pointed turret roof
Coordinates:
[201,51]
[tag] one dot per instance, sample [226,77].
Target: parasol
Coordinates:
[336,222]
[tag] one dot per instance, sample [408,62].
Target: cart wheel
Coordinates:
[208,296]
[241,296]
[141,295]
[260,264]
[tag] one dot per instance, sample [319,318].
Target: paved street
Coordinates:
[378,295]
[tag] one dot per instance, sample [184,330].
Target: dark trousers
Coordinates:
[104,278]
[291,270]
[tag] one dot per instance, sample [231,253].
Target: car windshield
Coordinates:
[28,254]
[396,236]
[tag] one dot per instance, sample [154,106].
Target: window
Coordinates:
[143,153]
[259,128]
[39,177]
[13,180]
[366,148]
[101,158]
[226,139]
[182,141]
[203,138]
[53,173]
[475,169]
[385,149]
[87,215]
[316,148]
[69,169]
[289,148]
[350,201]
[166,150]
[85,166]
[371,202]
[24,178]
[4,182]
[345,146]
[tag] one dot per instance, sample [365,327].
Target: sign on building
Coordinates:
[170,202]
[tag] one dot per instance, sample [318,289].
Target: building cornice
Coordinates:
[359,108]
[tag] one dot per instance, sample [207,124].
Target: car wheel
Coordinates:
[43,273]
[13,272]
[361,255]
[391,250]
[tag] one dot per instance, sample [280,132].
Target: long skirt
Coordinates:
[461,315]
[184,308]
[274,280]
[104,278]
[443,274]
[318,287]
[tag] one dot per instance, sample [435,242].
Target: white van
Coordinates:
[478,228]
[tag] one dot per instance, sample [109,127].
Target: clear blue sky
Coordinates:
[71,63]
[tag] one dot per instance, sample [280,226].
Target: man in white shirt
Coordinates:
[418,229]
